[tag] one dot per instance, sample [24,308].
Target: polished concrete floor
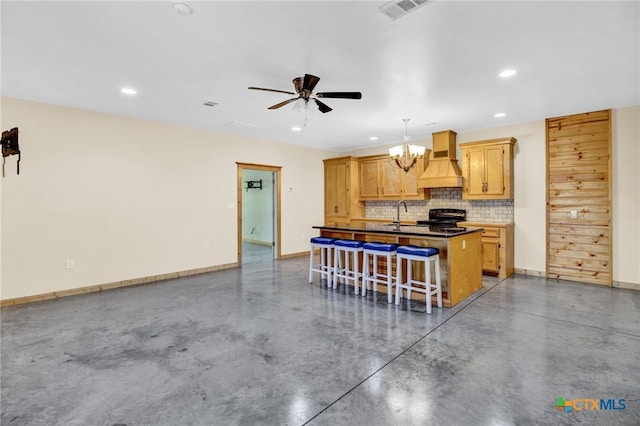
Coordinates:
[259,345]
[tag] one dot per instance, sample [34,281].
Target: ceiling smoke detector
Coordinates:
[396,9]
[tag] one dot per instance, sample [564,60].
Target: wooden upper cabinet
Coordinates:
[381,179]
[340,189]
[487,169]
[335,185]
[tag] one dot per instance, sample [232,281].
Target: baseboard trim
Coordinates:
[113,285]
[616,284]
[530,272]
[262,243]
[630,286]
[292,255]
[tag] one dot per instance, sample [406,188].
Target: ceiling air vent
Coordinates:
[210,104]
[239,126]
[398,8]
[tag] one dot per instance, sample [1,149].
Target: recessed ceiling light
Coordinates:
[182,8]
[296,129]
[128,91]
[507,73]
[499,115]
[373,138]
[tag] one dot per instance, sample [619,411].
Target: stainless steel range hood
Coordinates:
[443,170]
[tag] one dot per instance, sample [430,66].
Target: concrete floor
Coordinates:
[259,345]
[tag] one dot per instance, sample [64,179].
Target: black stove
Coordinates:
[444,220]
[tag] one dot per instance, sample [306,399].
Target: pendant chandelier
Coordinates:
[406,155]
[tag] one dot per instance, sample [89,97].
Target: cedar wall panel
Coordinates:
[579,180]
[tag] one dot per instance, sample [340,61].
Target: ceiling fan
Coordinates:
[304,88]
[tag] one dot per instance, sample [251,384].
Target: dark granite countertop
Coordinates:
[409,230]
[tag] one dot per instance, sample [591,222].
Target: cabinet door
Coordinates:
[494,166]
[336,190]
[410,187]
[369,174]
[490,255]
[391,180]
[475,172]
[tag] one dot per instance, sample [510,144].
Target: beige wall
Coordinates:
[530,186]
[127,198]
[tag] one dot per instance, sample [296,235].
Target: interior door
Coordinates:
[579,197]
[270,215]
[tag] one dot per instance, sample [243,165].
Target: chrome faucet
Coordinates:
[397,221]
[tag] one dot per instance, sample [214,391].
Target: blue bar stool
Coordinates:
[347,270]
[325,245]
[427,255]
[376,250]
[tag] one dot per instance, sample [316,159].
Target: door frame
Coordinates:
[277,204]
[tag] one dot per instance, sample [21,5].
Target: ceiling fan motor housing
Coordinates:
[304,88]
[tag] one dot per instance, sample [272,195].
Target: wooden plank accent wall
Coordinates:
[579,180]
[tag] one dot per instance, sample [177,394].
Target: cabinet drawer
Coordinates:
[491,232]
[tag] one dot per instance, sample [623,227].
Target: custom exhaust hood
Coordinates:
[443,170]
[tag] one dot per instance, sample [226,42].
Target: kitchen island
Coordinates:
[460,252]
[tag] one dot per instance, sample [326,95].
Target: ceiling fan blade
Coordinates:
[323,107]
[272,90]
[281,104]
[310,82]
[342,95]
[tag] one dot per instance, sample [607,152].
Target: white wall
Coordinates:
[626,194]
[530,187]
[127,198]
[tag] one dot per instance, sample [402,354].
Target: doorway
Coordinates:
[258,213]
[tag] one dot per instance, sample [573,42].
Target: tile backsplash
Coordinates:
[490,211]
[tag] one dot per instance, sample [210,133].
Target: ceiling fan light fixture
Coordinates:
[406,156]
[182,8]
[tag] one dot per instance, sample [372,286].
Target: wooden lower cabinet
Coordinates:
[497,248]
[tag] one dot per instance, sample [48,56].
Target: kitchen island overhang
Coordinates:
[460,252]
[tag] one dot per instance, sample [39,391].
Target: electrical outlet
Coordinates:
[464,244]
[207,247]
[574,214]
[70,263]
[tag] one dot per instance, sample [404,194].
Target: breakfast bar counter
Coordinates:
[460,252]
